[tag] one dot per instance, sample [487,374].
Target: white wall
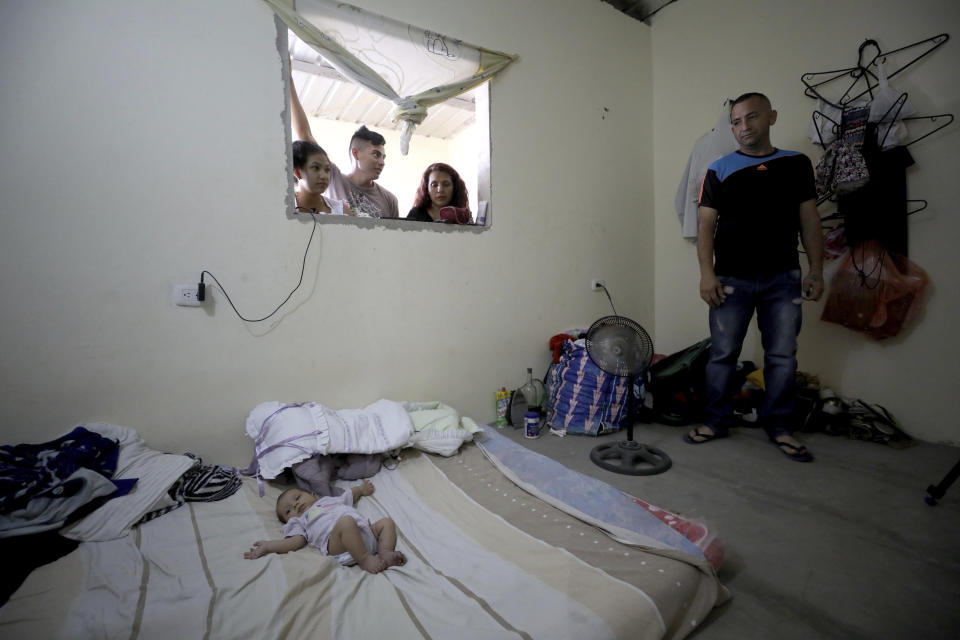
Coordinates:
[144,142]
[705,51]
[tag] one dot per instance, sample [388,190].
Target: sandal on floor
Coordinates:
[707,437]
[798,454]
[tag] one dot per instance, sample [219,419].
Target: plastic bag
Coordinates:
[875,291]
[887,108]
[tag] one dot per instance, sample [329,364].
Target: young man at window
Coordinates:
[753,204]
[358,188]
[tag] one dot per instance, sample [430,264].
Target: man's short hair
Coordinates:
[366,135]
[749,95]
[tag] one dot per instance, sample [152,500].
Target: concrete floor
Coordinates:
[843,547]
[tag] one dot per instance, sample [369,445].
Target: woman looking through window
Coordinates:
[311,168]
[440,187]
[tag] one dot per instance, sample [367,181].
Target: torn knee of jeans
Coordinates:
[797,301]
[727,288]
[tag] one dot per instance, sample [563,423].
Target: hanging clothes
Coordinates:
[878,211]
[711,146]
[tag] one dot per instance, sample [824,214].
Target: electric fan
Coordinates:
[621,347]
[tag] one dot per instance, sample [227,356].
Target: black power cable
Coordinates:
[610,299]
[201,286]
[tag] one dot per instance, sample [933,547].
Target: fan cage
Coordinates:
[644,345]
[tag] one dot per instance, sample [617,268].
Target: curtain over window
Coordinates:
[412,67]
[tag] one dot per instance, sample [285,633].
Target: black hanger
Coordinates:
[895,109]
[931,119]
[922,207]
[887,120]
[892,115]
[819,116]
[862,70]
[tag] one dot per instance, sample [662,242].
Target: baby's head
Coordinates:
[293,502]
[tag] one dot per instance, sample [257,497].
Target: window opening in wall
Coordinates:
[455,132]
[368,69]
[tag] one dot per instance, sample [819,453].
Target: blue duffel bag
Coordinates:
[582,398]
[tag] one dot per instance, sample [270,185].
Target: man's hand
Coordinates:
[711,290]
[812,287]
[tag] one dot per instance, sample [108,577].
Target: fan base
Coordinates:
[630,458]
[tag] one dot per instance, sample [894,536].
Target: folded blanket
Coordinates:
[438,428]
[285,434]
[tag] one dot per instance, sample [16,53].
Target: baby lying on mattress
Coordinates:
[335,527]
[304,437]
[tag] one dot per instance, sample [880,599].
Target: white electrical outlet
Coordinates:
[597,284]
[185,295]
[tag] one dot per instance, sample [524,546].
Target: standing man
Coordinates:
[753,203]
[365,197]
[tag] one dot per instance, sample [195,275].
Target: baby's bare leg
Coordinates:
[346,536]
[386,531]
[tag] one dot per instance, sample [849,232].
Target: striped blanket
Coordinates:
[486,559]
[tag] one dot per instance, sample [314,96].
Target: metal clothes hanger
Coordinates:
[818,118]
[918,210]
[862,70]
[931,119]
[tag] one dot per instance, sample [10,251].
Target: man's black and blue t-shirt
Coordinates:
[758,203]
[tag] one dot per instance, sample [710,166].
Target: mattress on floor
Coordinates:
[486,559]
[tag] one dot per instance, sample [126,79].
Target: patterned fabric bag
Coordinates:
[851,172]
[823,172]
[841,169]
[582,398]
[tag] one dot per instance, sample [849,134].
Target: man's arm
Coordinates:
[298,117]
[811,236]
[711,290]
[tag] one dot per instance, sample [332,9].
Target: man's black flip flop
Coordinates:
[707,437]
[800,454]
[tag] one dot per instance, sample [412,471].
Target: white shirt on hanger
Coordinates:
[711,146]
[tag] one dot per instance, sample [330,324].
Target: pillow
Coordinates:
[438,428]
[155,472]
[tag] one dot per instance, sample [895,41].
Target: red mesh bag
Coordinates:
[875,291]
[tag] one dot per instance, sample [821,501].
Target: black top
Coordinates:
[878,211]
[420,214]
[757,199]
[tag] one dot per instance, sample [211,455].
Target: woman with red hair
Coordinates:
[441,186]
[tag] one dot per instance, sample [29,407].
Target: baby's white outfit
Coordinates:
[318,521]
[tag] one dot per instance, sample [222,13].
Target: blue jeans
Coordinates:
[777,301]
